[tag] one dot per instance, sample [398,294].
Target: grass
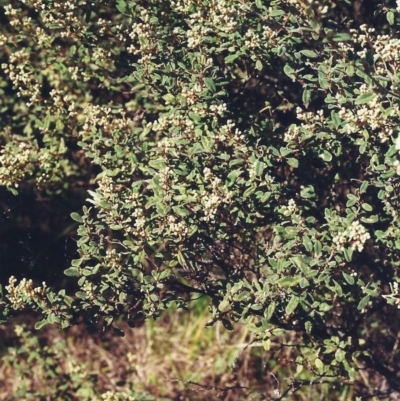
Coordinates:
[175,358]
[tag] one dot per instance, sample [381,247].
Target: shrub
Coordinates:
[50,371]
[248,152]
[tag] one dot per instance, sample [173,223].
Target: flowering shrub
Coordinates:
[248,153]
[48,371]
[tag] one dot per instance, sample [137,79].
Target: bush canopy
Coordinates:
[243,151]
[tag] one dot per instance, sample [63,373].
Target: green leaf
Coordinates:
[309,53]
[292,305]
[390,17]
[210,85]
[259,167]
[342,37]
[277,12]
[77,217]
[348,278]
[307,243]
[41,324]
[365,98]
[348,254]
[319,365]
[180,211]
[363,303]
[340,355]
[266,344]
[363,147]
[288,281]
[169,98]
[249,191]
[115,227]
[317,247]
[350,70]
[323,80]
[306,96]
[72,272]
[259,65]
[367,207]
[121,6]
[352,200]
[363,186]
[293,162]
[326,156]
[104,204]
[181,258]
[269,311]
[224,306]
[233,175]
[324,307]
[370,220]
[231,58]
[304,283]
[335,119]
[288,70]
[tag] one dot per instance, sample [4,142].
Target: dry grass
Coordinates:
[175,358]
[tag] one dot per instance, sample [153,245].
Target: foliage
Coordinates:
[248,152]
[49,371]
[176,357]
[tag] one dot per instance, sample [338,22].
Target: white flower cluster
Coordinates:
[19,330]
[112,396]
[251,39]
[113,259]
[9,10]
[18,293]
[290,208]
[369,115]
[165,144]
[219,109]
[192,94]
[208,175]
[310,122]
[224,17]
[387,48]
[26,85]
[394,296]
[106,186]
[254,40]
[159,125]
[212,200]
[163,176]
[356,235]
[14,166]
[362,38]
[144,38]
[103,25]
[175,228]
[292,134]
[140,220]
[100,116]
[182,6]
[226,131]
[214,17]
[196,35]
[89,289]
